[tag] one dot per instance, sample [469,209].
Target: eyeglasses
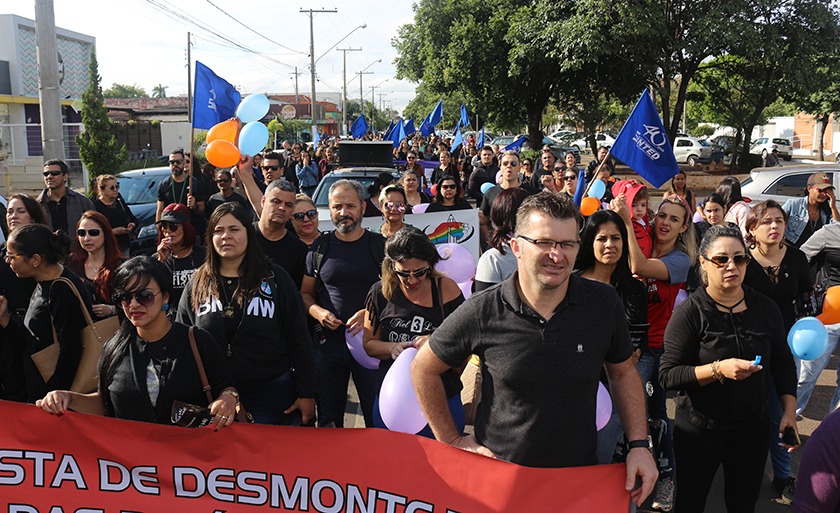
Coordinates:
[170,227]
[411,158]
[558,169]
[570,177]
[549,245]
[299,216]
[394,205]
[114,188]
[223,180]
[270,168]
[52,173]
[449,186]
[721,261]
[419,273]
[8,257]
[526,164]
[144,298]
[179,161]
[510,163]
[93,232]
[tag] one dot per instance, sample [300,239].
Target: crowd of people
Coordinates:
[246,292]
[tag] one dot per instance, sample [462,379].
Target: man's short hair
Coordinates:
[345,183]
[511,153]
[555,206]
[60,163]
[280,183]
[487,147]
[177,151]
[273,156]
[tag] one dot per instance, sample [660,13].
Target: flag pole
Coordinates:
[190,112]
[597,170]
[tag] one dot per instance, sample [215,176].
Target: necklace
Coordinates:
[228,311]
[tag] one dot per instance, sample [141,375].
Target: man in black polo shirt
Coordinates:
[543,337]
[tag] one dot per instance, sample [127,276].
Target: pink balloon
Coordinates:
[499,177]
[357,350]
[603,407]
[397,401]
[466,289]
[420,209]
[457,262]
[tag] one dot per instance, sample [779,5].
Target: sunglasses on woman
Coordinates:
[171,227]
[300,216]
[449,186]
[419,273]
[93,232]
[144,298]
[394,205]
[721,261]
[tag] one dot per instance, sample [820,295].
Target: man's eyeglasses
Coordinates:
[721,261]
[168,226]
[300,216]
[178,161]
[449,186]
[144,298]
[270,168]
[223,180]
[549,244]
[394,205]
[52,173]
[419,273]
[93,232]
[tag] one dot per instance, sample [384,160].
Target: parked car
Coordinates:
[784,183]
[560,150]
[601,139]
[726,144]
[363,175]
[692,151]
[765,145]
[139,189]
[503,140]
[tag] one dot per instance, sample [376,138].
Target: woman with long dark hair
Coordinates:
[407,305]
[736,207]
[94,259]
[255,313]
[178,247]
[498,263]
[679,187]
[110,204]
[54,313]
[448,196]
[148,344]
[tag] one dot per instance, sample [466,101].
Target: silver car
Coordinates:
[765,145]
[784,183]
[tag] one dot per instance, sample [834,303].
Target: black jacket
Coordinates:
[271,338]
[698,333]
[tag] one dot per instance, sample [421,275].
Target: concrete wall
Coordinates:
[174,135]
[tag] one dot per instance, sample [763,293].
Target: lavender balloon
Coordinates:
[397,401]
[357,350]
[457,262]
[603,407]
[419,209]
[466,289]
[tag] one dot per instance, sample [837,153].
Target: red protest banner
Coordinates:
[86,464]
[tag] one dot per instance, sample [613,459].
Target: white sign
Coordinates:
[456,226]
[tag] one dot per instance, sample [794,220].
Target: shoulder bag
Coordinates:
[94,336]
[241,414]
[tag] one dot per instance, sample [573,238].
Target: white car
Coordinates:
[601,139]
[765,145]
[784,183]
[692,151]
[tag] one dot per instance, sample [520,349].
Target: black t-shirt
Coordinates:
[58,214]
[182,271]
[217,199]
[459,205]
[793,281]
[288,252]
[487,203]
[119,216]
[167,369]
[170,191]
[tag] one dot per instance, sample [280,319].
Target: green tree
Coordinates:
[98,147]
[159,91]
[125,91]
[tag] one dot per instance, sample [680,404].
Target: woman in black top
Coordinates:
[446,167]
[407,305]
[178,248]
[255,313]
[110,204]
[94,259]
[33,251]
[448,196]
[149,363]
[712,343]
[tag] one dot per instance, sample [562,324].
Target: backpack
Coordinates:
[322,245]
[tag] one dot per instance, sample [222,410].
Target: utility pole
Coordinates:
[362,90]
[52,132]
[344,80]
[296,73]
[312,62]
[372,103]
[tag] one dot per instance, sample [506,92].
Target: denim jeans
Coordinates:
[267,401]
[608,438]
[779,456]
[335,365]
[809,371]
[663,443]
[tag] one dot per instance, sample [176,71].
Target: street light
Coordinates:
[363,25]
[373,103]
[362,89]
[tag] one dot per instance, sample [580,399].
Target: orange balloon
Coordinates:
[831,306]
[224,131]
[589,206]
[222,153]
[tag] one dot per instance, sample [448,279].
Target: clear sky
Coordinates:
[144,42]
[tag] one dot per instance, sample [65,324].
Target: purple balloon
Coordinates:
[420,209]
[603,407]
[682,295]
[397,401]
[466,289]
[357,349]
[456,262]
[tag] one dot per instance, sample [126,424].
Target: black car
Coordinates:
[139,189]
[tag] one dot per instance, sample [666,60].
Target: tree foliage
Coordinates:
[98,147]
[159,91]
[125,91]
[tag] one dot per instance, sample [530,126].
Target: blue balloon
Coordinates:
[597,190]
[486,187]
[252,138]
[252,108]
[808,338]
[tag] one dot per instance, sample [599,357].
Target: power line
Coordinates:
[254,31]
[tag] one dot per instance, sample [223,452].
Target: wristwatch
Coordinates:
[232,392]
[644,443]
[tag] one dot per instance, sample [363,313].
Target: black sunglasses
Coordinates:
[53,173]
[223,180]
[570,177]
[93,232]
[175,162]
[449,186]
[114,188]
[144,298]
[299,216]
[723,260]
[272,168]
[166,225]
[419,273]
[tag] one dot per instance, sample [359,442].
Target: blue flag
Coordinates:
[316,137]
[398,133]
[426,129]
[517,144]
[409,127]
[359,127]
[643,144]
[480,143]
[581,187]
[436,115]
[387,134]
[459,139]
[465,119]
[214,99]
[457,126]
